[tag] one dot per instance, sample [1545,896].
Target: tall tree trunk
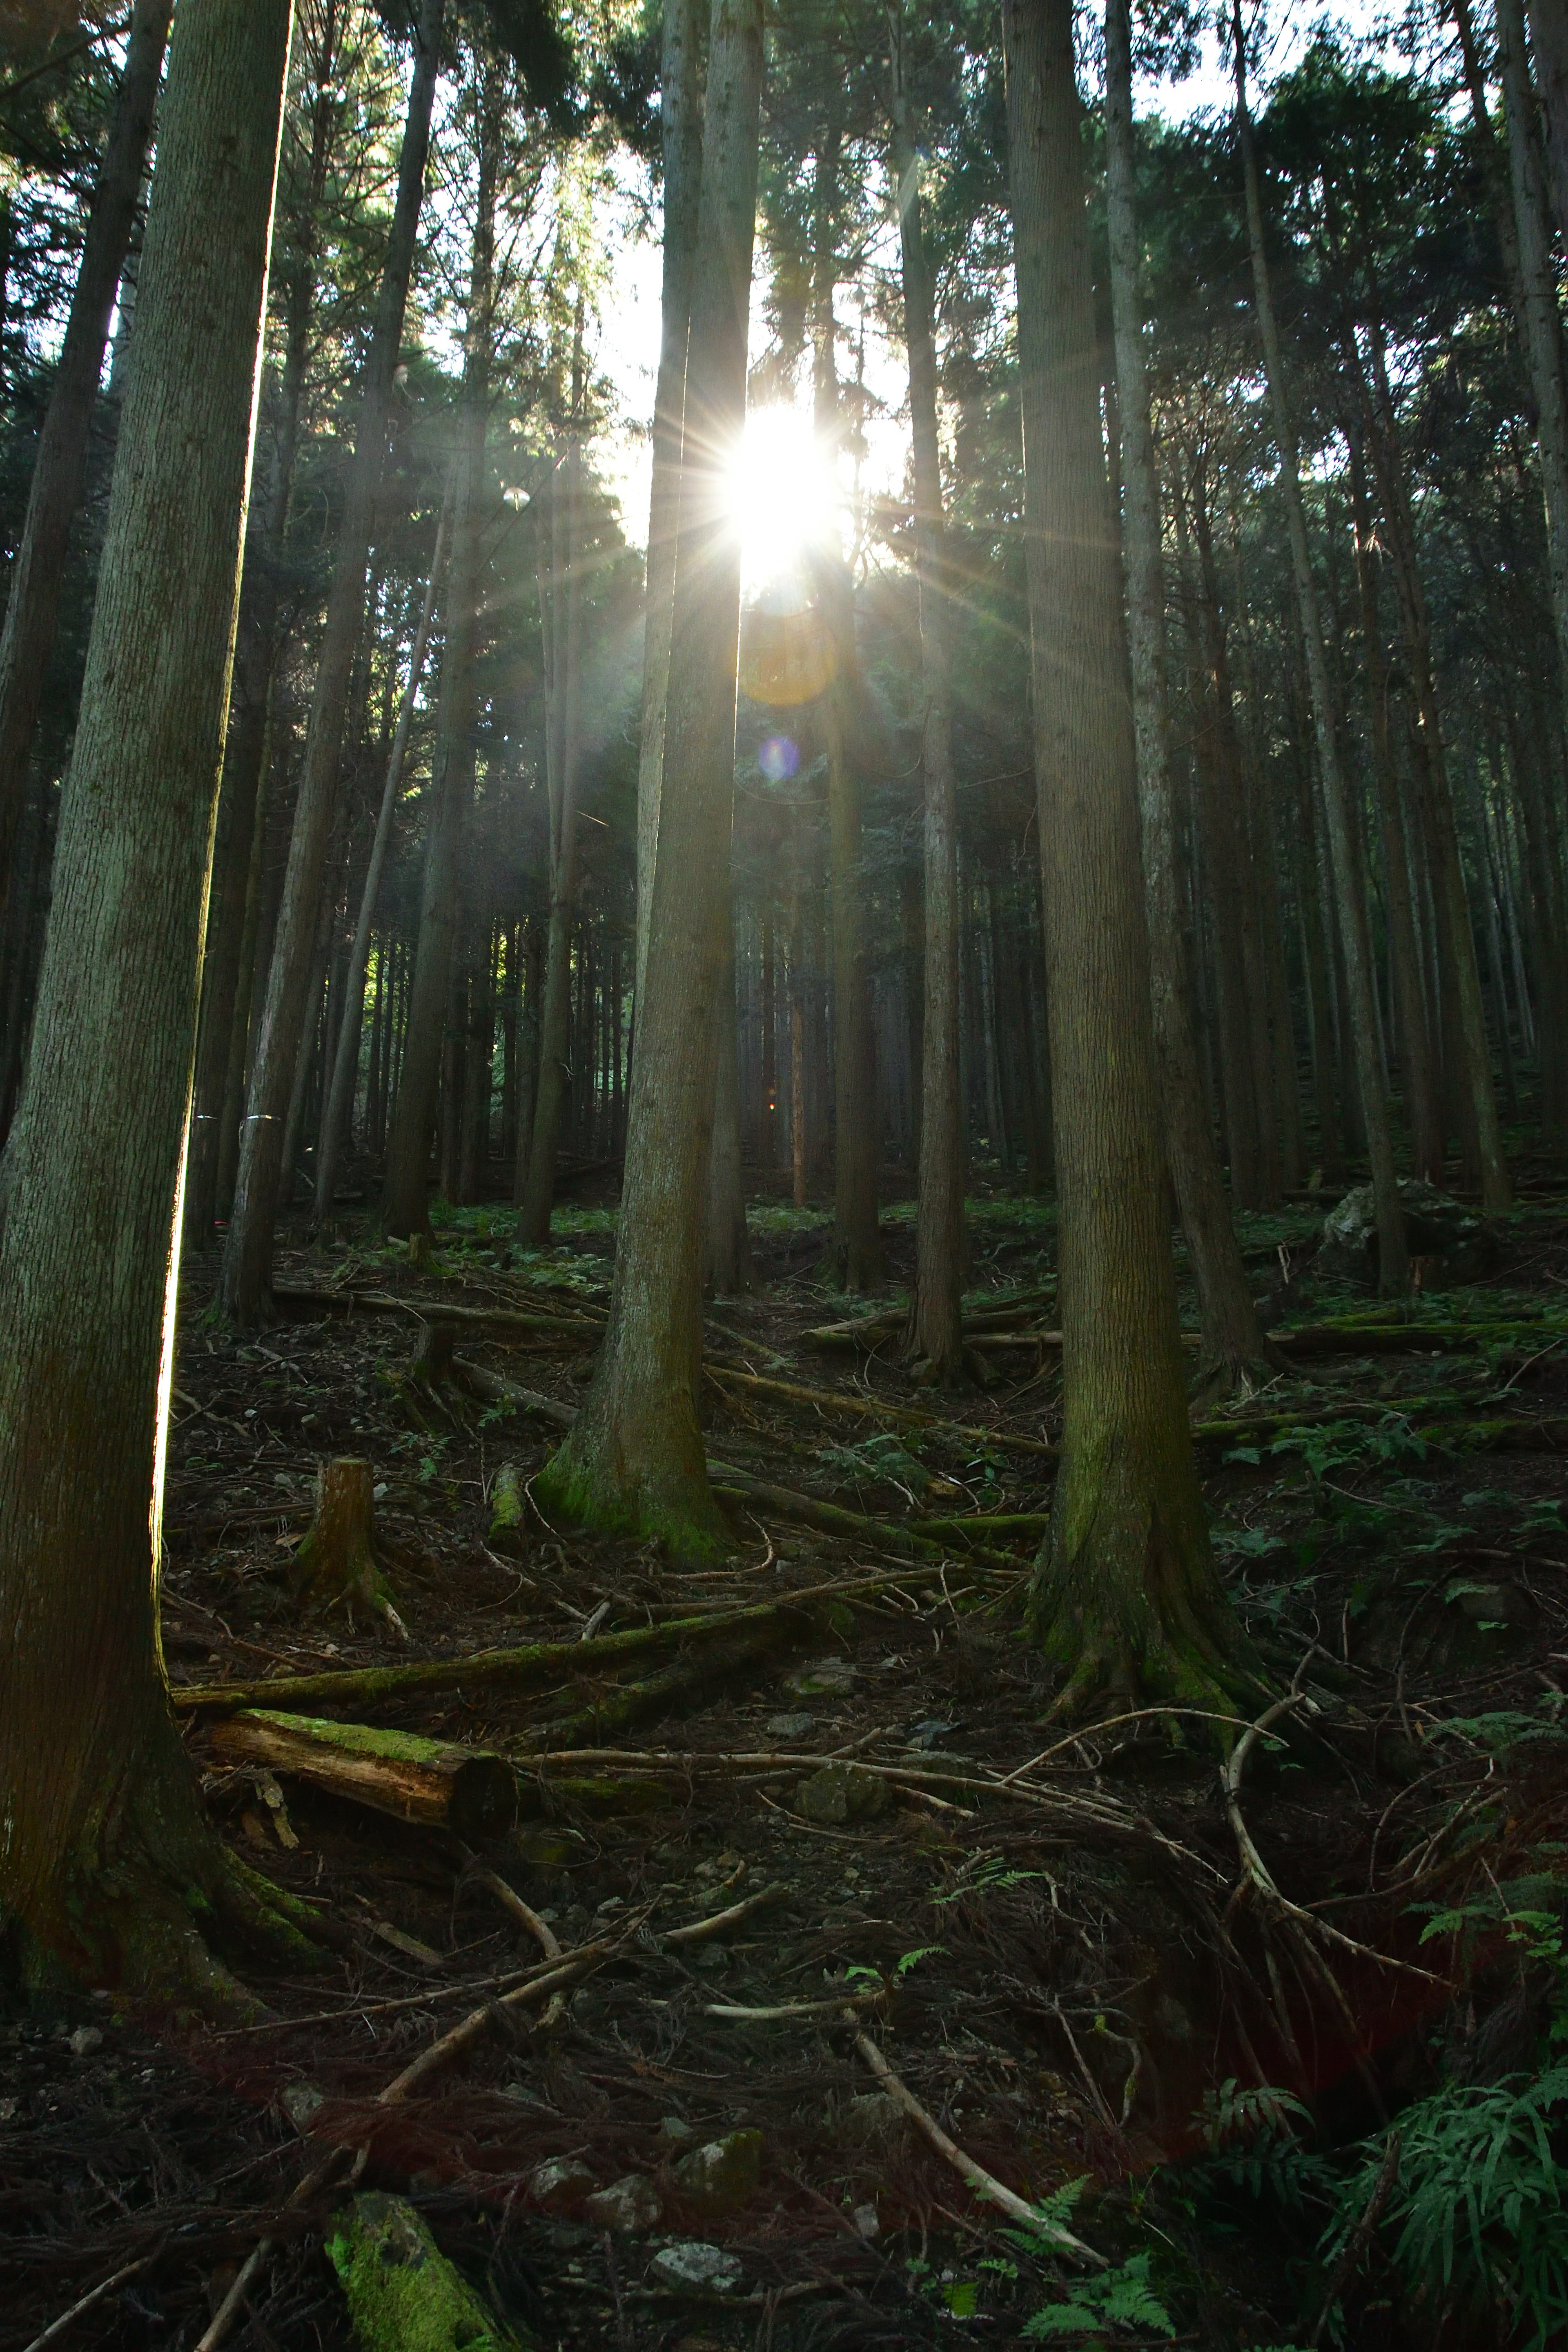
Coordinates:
[1126,1594]
[681,129]
[635,1458]
[340,1096]
[107,1862]
[54,490]
[560,608]
[727,1249]
[247,1258]
[1234,1344]
[855,1258]
[406,1205]
[936,1337]
[1394,1262]
[1549,32]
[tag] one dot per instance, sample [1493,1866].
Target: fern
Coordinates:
[1121,2298]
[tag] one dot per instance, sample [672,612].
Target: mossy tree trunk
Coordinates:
[1236,1349]
[1126,1596]
[936,1337]
[107,1862]
[635,1458]
[248,1254]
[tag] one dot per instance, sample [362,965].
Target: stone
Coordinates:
[868,2223]
[85,2041]
[821,1678]
[629,2204]
[842,1792]
[560,2185]
[724,2175]
[1458,1244]
[689,2264]
[300,2102]
[790,1727]
[873,2120]
[676,2130]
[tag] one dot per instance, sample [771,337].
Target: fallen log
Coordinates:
[439,1310]
[864,1334]
[464,1789]
[859,1408]
[399,2288]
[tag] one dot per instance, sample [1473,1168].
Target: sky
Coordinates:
[627,352]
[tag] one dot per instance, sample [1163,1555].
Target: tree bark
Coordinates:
[935,1335]
[54,490]
[1394,1262]
[726,1251]
[106,1861]
[1235,1348]
[680,127]
[1549,32]
[1126,1594]
[635,1456]
[247,1258]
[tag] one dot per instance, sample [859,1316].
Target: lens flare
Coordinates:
[781,495]
[778,758]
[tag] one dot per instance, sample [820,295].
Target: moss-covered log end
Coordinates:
[402,2294]
[682,1515]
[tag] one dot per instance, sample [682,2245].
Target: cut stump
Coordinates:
[399,2288]
[337,1559]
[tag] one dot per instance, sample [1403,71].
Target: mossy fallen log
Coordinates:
[861,1408]
[402,2294]
[435,1782]
[864,1334]
[502,1321]
[659,1694]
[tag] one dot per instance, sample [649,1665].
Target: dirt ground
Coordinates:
[1071,1950]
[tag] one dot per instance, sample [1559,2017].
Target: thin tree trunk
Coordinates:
[55,491]
[1549,32]
[107,1862]
[727,1249]
[936,1337]
[635,1458]
[680,128]
[1126,1594]
[1234,1345]
[340,1097]
[1394,1262]
[406,1204]
[248,1258]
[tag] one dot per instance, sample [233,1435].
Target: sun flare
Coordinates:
[783,497]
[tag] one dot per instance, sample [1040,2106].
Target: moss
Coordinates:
[695,1537]
[402,2294]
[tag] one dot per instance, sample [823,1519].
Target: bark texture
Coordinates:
[1126,1597]
[635,1458]
[106,1860]
[1236,1348]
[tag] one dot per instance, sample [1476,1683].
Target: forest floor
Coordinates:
[1093,1965]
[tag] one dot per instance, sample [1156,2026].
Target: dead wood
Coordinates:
[337,1560]
[464,1790]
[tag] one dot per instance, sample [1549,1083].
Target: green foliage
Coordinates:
[989,1875]
[1256,2147]
[1477,2216]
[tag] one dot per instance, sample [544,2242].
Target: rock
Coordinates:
[690,2263]
[1458,1245]
[300,2102]
[822,1678]
[560,2185]
[790,1727]
[676,2130]
[874,2120]
[85,2041]
[630,2204]
[724,2175]
[401,2289]
[842,1792]
[927,1734]
[867,2221]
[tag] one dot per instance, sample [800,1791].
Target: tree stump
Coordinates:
[506,1510]
[401,2291]
[337,1559]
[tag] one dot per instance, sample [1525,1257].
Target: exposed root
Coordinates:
[681,1516]
[1233,1375]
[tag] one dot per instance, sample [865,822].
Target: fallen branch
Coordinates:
[698,1931]
[464,1790]
[984,2183]
[858,1408]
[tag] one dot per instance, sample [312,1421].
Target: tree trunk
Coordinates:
[1126,1594]
[106,1862]
[1549,32]
[635,1458]
[340,1097]
[406,1205]
[935,1336]
[54,490]
[560,608]
[1235,1348]
[727,1250]
[1393,1265]
[248,1258]
[680,126]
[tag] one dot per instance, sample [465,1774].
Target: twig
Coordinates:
[698,1931]
[1139,1715]
[95,2295]
[984,2183]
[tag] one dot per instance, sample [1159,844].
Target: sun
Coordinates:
[782,498]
